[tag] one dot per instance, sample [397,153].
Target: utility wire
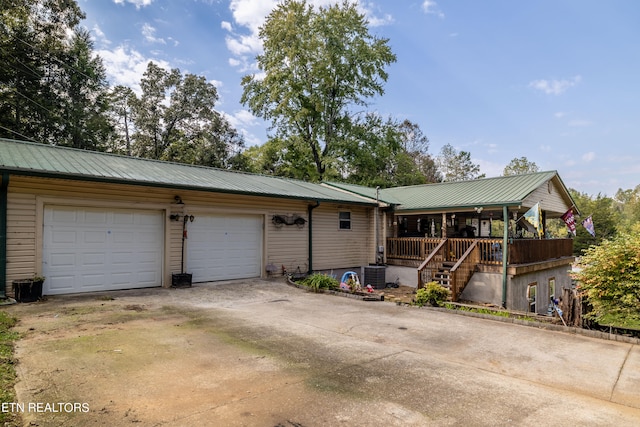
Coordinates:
[19,134]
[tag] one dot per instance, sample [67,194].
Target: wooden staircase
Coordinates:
[443,274]
[443,267]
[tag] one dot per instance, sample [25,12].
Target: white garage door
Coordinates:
[87,249]
[224,247]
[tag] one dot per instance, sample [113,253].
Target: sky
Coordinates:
[555,81]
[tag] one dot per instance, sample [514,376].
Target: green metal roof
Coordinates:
[27,158]
[500,191]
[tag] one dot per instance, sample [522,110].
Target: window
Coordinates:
[532,290]
[345,220]
[552,287]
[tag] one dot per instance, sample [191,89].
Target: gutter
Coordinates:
[4,185]
[310,209]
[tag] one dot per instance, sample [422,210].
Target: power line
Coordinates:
[19,134]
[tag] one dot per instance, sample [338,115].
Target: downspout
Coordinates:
[505,254]
[4,185]
[376,212]
[310,209]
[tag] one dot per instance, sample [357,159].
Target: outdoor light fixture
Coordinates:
[178,200]
[479,210]
[174,217]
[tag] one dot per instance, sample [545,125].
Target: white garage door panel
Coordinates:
[86,249]
[223,247]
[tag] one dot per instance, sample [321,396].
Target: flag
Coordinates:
[588,224]
[534,217]
[570,220]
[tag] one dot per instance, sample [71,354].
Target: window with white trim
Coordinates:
[344,220]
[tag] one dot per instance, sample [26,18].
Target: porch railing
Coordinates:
[462,271]
[521,251]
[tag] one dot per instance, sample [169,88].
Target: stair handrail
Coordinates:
[456,290]
[464,255]
[429,258]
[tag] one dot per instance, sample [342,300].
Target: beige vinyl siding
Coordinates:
[335,248]
[552,202]
[287,244]
[21,236]
[282,246]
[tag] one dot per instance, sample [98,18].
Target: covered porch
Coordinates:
[452,261]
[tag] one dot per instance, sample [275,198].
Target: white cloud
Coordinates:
[99,35]
[589,157]
[430,7]
[554,87]
[579,123]
[125,66]
[226,26]
[545,148]
[560,114]
[138,3]
[149,34]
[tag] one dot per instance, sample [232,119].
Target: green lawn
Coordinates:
[7,371]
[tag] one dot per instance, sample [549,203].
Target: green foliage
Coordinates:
[318,65]
[7,371]
[605,219]
[518,166]
[319,281]
[433,294]
[610,276]
[457,166]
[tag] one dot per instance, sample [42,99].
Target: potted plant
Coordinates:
[28,290]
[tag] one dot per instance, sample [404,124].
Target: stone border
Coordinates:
[362,296]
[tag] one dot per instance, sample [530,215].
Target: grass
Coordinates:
[7,370]
[620,321]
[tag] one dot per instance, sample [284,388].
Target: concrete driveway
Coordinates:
[262,353]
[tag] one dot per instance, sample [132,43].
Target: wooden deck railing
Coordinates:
[462,271]
[411,248]
[521,251]
[432,263]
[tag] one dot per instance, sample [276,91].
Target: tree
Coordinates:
[415,147]
[457,166]
[628,205]
[318,67]
[174,119]
[610,278]
[34,55]
[604,215]
[82,89]
[122,100]
[277,157]
[519,166]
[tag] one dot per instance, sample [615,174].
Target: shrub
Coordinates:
[433,293]
[610,276]
[319,281]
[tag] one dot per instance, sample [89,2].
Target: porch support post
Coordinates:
[505,254]
[444,225]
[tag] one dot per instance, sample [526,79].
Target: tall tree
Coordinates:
[122,100]
[318,66]
[519,166]
[174,119]
[415,145]
[457,166]
[84,97]
[628,204]
[33,54]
